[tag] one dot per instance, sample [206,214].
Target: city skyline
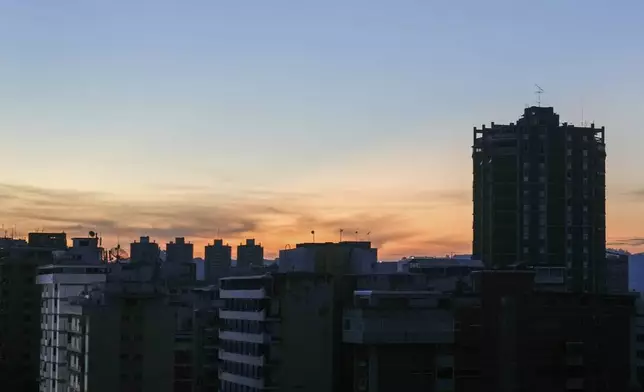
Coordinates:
[274,120]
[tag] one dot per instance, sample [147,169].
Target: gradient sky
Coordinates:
[269,119]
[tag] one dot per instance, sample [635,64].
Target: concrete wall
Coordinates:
[307,332]
[150,338]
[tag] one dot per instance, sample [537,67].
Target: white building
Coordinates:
[73,273]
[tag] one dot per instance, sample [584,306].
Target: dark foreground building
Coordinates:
[518,339]
[539,196]
[20,305]
[503,337]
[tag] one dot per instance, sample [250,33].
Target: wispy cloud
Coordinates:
[276,218]
[634,241]
[635,194]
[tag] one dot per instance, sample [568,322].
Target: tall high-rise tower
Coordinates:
[539,197]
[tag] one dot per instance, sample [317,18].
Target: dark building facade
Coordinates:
[206,339]
[616,272]
[518,339]
[57,241]
[20,320]
[250,254]
[179,251]
[145,251]
[217,260]
[539,196]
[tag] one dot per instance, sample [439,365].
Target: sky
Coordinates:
[269,119]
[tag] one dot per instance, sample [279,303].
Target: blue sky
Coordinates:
[136,98]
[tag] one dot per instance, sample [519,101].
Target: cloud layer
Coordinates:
[399,224]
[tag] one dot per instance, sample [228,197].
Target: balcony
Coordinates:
[245,294]
[363,326]
[241,358]
[259,338]
[242,315]
[241,380]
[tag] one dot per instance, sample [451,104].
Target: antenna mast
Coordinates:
[538,93]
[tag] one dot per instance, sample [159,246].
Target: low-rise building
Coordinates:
[399,340]
[516,338]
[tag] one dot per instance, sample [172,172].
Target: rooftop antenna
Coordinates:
[341,231]
[538,93]
[369,236]
[582,113]
[313,234]
[356,235]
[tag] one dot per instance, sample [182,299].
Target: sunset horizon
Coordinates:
[271,121]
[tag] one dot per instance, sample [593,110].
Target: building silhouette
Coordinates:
[250,254]
[179,251]
[145,251]
[55,241]
[217,260]
[20,301]
[539,197]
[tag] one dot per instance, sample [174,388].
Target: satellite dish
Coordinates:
[116,254]
[92,234]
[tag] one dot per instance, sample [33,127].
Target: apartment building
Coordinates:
[72,273]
